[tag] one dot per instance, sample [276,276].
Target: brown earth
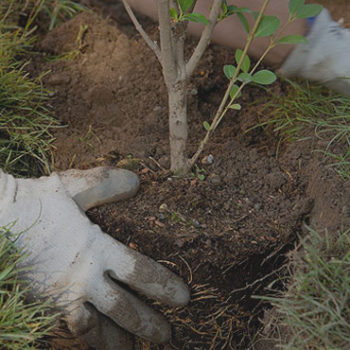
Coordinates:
[225,235]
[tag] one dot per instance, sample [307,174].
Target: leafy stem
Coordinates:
[221,111]
[263,26]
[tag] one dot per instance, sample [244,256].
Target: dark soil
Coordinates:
[226,235]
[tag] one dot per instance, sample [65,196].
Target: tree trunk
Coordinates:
[178,126]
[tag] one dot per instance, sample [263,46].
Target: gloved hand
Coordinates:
[77,264]
[326,56]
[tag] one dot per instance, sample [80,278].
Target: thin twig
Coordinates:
[204,39]
[152,45]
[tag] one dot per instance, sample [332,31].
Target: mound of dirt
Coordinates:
[225,235]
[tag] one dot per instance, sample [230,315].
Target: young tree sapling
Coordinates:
[173,16]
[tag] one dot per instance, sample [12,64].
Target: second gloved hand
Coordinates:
[326,56]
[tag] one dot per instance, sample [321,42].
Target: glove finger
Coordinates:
[97,330]
[110,336]
[80,319]
[127,311]
[93,187]
[142,274]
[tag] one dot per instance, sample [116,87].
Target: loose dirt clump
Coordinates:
[226,227]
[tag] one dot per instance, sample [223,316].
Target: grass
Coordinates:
[316,306]
[314,312]
[61,10]
[303,107]
[54,11]
[25,119]
[25,150]
[23,323]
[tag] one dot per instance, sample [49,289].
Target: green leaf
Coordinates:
[245,77]
[246,61]
[264,77]
[173,14]
[243,21]
[244,9]
[229,71]
[206,125]
[309,11]
[292,39]
[232,9]
[227,10]
[195,17]
[201,177]
[295,6]
[234,91]
[235,106]
[267,26]
[185,5]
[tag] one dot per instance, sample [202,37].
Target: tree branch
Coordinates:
[179,38]
[166,43]
[153,46]
[204,39]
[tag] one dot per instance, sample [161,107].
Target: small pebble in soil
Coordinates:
[196,224]
[133,246]
[180,242]
[161,216]
[194,92]
[257,206]
[215,179]
[208,160]
[163,208]
[164,161]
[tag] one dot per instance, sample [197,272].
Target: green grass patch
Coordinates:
[316,307]
[25,119]
[304,109]
[54,11]
[61,10]
[23,323]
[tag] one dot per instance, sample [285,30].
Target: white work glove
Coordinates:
[77,264]
[326,56]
